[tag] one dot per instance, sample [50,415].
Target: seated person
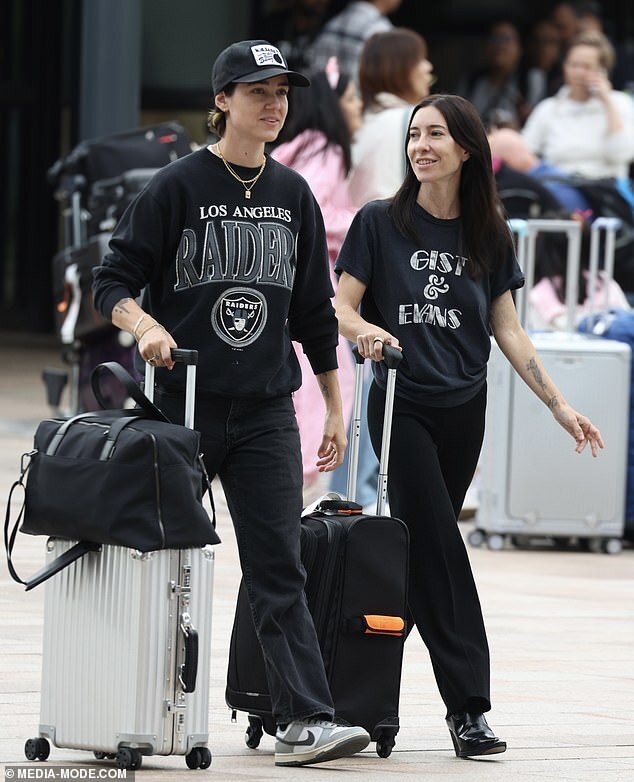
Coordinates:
[509,147]
[587,128]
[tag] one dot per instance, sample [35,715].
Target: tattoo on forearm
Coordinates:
[325,390]
[120,306]
[533,368]
[536,373]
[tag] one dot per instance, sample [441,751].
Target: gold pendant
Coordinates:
[247,194]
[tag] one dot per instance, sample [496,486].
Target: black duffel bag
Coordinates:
[122,477]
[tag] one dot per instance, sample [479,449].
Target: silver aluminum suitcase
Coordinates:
[532,485]
[126,646]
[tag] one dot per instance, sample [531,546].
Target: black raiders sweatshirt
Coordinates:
[235,278]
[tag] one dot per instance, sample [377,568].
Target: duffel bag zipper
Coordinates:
[157,484]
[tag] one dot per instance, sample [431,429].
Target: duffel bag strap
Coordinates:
[130,385]
[59,563]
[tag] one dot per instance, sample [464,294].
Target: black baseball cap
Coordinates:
[250,61]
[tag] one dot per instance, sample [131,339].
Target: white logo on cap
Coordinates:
[265,54]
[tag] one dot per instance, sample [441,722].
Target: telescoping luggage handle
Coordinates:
[190,359]
[610,225]
[527,231]
[392,358]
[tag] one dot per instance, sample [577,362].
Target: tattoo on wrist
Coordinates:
[120,305]
[552,403]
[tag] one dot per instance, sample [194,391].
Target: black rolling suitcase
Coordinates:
[356,588]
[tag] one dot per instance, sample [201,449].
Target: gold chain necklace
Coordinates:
[246,183]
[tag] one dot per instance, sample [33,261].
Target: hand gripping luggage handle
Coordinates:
[392,358]
[144,400]
[190,359]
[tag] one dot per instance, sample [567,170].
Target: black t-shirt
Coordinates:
[424,295]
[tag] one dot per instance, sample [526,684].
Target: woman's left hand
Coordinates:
[579,427]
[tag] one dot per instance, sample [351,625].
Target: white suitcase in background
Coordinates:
[126,648]
[532,484]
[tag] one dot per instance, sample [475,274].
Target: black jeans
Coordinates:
[253,446]
[433,456]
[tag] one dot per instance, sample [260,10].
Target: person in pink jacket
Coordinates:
[316,143]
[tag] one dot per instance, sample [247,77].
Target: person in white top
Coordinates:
[587,128]
[394,74]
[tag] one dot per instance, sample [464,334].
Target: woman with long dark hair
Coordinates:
[433,270]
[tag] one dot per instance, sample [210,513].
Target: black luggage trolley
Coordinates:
[94,184]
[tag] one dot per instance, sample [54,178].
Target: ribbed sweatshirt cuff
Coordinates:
[111,298]
[323,360]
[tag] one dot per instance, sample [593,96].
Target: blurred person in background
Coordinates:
[566,21]
[394,74]
[315,142]
[495,87]
[510,151]
[540,70]
[343,36]
[565,18]
[587,128]
[590,16]
[294,29]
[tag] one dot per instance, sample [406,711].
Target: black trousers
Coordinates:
[433,456]
[253,446]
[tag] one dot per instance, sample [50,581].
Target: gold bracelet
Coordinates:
[154,325]
[137,324]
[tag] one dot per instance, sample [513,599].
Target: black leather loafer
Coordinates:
[471,735]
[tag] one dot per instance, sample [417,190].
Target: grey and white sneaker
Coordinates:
[314,741]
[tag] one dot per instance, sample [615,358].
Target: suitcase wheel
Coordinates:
[384,746]
[37,749]
[199,757]
[254,732]
[128,758]
[476,538]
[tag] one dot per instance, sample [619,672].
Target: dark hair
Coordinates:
[486,239]
[216,120]
[387,60]
[317,108]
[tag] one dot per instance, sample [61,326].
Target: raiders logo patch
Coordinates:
[239,316]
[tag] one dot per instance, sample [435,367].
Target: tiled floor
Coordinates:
[561,631]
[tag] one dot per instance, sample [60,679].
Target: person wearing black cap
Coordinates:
[230,249]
